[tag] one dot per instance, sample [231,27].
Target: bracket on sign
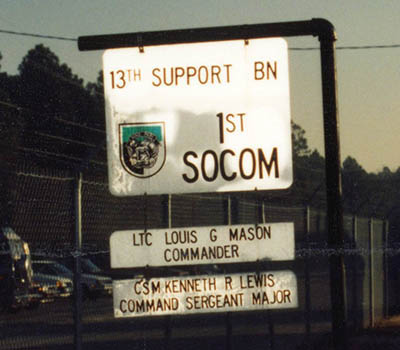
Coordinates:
[245,29]
[140,42]
[147,273]
[258,267]
[145,212]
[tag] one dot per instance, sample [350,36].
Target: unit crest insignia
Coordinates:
[142,148]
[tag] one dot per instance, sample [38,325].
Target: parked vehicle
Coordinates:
[93,285]
[94,281]
[52,279]
[17,288]
[100,285]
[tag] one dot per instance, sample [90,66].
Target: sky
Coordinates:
[368,78]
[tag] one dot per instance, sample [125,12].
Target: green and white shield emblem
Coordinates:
[142,148]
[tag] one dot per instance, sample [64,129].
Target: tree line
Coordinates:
[50,117]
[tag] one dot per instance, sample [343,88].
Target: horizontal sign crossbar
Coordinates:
[315,27]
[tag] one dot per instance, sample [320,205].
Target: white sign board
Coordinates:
[203,117]
[201,294]
[202,245]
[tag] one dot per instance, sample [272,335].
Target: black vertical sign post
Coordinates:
[334,188]
[307,282]
[322,29]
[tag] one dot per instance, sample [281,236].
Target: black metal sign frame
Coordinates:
[325,32]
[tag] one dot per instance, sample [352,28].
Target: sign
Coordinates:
[203,117]
[201,294]
[202,245]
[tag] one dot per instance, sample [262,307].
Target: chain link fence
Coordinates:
[44,217]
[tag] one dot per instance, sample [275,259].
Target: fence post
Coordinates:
[371,274]
[386,268]
[167,221]
[355,272]
[77,261]
[307,282]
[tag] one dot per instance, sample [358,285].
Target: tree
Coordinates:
[62,114]
[308,170]
[393,212]
[96,91]
[10,128]
[385,197]
[354,185]
[50,89]
[299,141]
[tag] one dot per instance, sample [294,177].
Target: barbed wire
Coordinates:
[66,140]
[58,155]
[79,125]
[58,117]
[44,177]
